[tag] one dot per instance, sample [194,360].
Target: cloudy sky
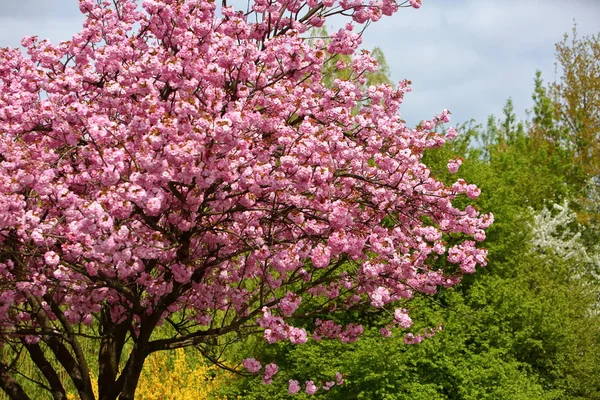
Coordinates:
[465,55]
[469,56]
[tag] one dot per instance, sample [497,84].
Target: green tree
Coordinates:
[576,98]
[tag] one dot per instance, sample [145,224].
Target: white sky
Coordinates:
[465,55]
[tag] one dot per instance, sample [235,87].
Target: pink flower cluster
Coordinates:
[454,164]
[252,365]
[330,330]
[402,319]
[311,387]
[276,329]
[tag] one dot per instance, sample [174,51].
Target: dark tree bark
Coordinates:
[37,356]
[13,390]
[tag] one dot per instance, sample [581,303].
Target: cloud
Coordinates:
[41,18]
[465,55]
[38,9]
[474,54]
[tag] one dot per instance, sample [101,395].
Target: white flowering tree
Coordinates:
[555,231]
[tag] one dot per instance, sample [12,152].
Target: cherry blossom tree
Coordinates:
[180,164]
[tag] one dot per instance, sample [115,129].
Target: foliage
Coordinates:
[576,98]
[182,164]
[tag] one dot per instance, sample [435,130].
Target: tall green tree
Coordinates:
[576,98]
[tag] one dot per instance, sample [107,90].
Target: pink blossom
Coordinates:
[451,133]
[473,191]
[321,255]
[51,258]
[479,235]
[293,386]
[410,338]
[401,317]
[154,205]
[289,303]
[32,339]
[415,3]
[252,365]
[380,296]
[311,388]
[454,164]
[351,333]
[297,335]
[270,370]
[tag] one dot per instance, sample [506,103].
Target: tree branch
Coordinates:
[37,356]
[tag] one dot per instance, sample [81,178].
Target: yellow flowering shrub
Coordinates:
[171,376]
[177,379]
